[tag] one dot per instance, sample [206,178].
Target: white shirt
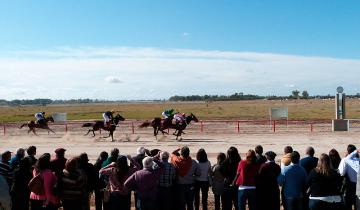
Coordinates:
[350,166]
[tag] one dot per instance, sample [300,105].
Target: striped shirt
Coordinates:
[168,177]
[6,172]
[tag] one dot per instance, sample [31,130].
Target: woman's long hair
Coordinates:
[324,167]
[251,157]
[122,166]
[334,159]
[201,156]
[233,155]
[220,158]
[43,162]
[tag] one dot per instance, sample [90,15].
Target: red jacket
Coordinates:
[247,173]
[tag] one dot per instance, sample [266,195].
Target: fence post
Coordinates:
[238,126]
[132,127]
[201,126]
[66,128]
[274,126]
[311,127]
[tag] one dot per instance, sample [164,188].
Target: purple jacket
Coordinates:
[145,182]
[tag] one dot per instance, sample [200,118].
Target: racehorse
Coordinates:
[160,125]
[97,125]
[42,124]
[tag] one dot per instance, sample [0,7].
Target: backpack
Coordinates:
[36,185]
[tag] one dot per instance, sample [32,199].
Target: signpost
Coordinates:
[340,123]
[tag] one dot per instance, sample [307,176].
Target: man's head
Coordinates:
[295,157]
[84,158]
[350,148]
[288,149]
[270,155]
[259,150]
[310,151]
[6,156]
[115,153]
[148,162]
[140,151]
[31,151]
[164,156]
[185,152]
[60,152]
[20,153]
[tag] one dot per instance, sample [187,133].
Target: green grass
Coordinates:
[259,109]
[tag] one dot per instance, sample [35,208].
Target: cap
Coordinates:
[60,150]
[270,154]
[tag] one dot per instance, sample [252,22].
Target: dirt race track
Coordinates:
[215,137]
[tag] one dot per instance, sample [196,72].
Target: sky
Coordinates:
[132,50]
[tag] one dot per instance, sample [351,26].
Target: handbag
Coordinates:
[36,185]
[106,193]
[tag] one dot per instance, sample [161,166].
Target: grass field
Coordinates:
[258,109]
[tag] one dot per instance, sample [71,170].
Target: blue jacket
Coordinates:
[293,180]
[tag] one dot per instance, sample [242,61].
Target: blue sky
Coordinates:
[207,40]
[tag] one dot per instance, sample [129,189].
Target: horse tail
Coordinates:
[87,125]
[22,125]
[145,124]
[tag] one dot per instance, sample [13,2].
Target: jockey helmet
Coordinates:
[43,113]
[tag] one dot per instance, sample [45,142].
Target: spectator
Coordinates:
[267,188]
[286,159]
[91,178]
[118,172]
[47,199]
[14,162]
[166,183]
[293,179]
[324,184]
[5,168]
[73,186]
[218,180]
[20,191]
[145,182]
[140,155]
[100,182]
[348,168]
[5,199]
[228,169]
[57,165]
[187,169]
[202,182]
[260,158]
[31,151]
[334,159]
[245,179]
[114,154]
[309,162]
[358,191]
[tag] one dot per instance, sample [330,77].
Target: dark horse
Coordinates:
[43,124]
[97,125]
[160,125]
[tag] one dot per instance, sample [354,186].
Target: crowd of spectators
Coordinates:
[160,180]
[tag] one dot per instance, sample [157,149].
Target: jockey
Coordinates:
[39,116]
[108,116]
[179,118]
[168,113]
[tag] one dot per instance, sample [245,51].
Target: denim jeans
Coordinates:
[247,195]
[293,204]
[166,198]
[204,188]
[119,202]
[320,205]
[230,198]
[185,196]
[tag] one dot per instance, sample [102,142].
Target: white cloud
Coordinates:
[79,73]
[112,79]
[185,34]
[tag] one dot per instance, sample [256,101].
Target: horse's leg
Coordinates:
[49,129]
[112,136]
[33,130]
[87,132]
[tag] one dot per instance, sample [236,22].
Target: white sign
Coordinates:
[60,117]
[279,113]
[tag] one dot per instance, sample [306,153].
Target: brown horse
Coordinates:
[42,124]
[97,125]
[160,125]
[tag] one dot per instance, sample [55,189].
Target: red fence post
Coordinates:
[274,126]
[201,126]
[311,127]
[238,126]
[66,128]
[132,127]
